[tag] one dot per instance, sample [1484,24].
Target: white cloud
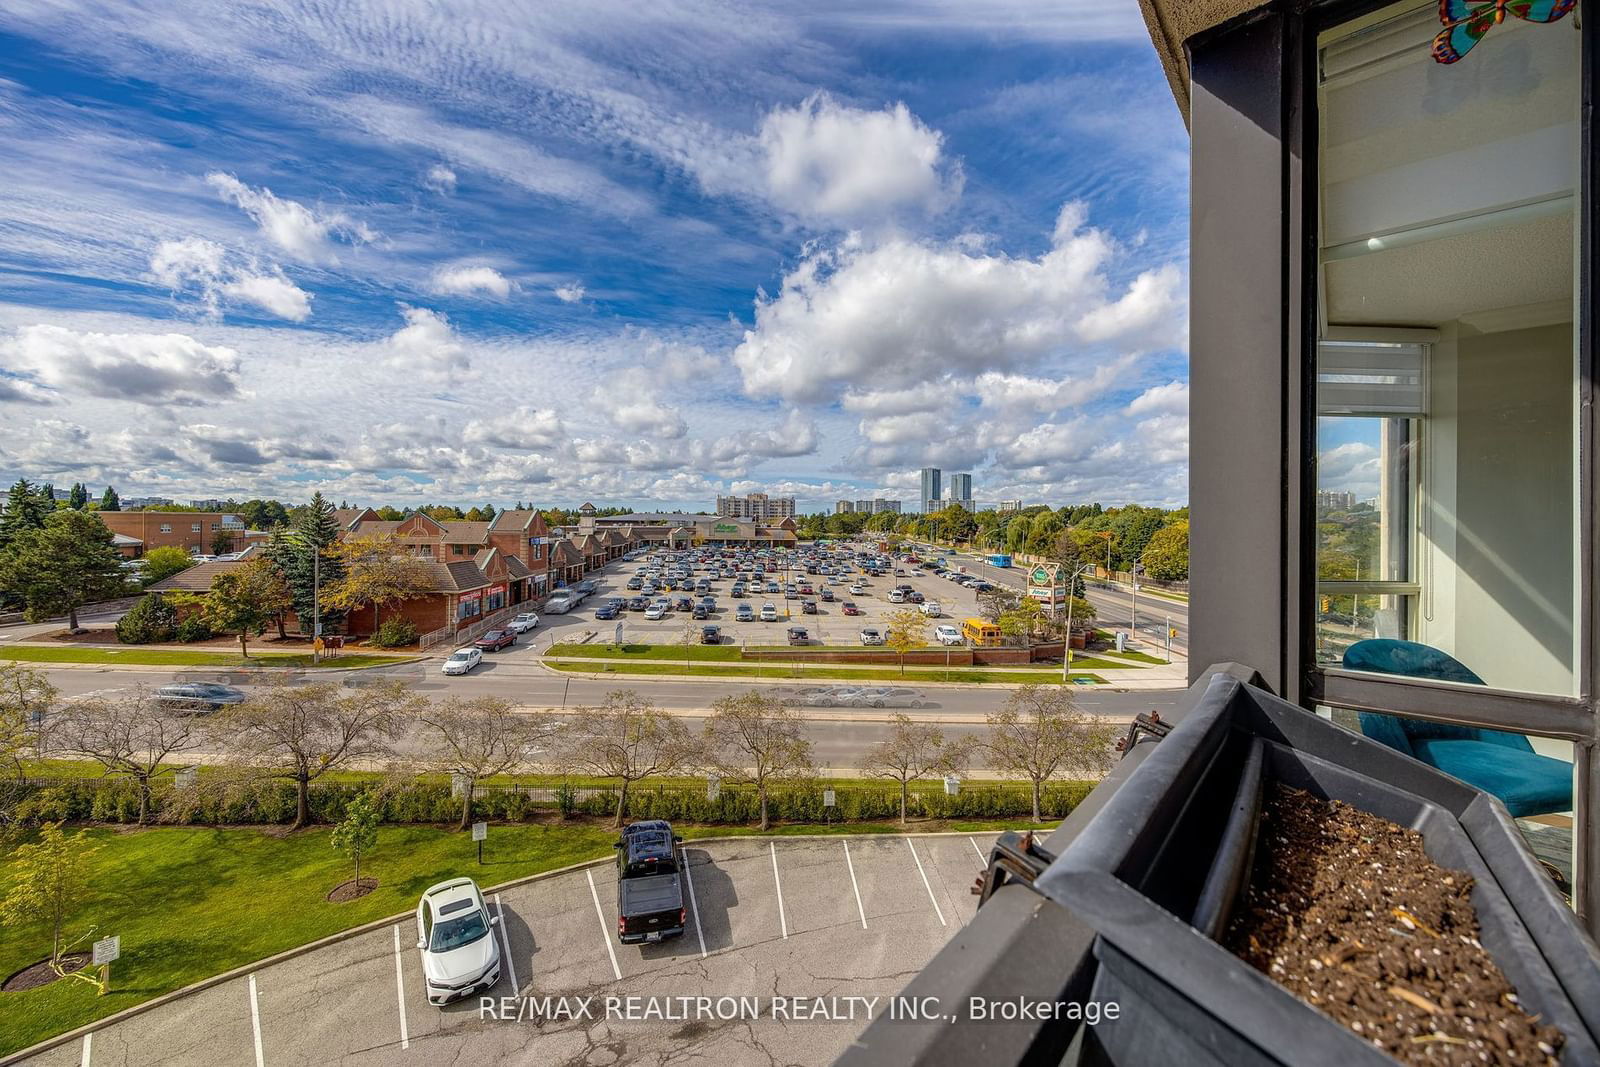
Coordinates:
[901,312]
[290,225]
[569,294]
[927,396]
[465,281]
[428,345]
[1172,398]
[827,162]
[149,368]
[21,391]
[520,428]
[219,276]
[440,178]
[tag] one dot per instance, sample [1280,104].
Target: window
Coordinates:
[1447,373]
[458,550]
[468,607]
[496,599]
[213,527]
[166,527]
[194,527]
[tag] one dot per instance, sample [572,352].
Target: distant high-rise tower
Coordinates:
[931,478]
[960,491]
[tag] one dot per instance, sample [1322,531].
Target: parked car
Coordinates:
[638,603]
[737,591]
[826,595]
[523,623]
[460,954]
[932,609]
[649,883]
[586,586]
[858,590]
[461,661]
[798,635]
[710,635]
[657,610]
[849,608]
[884,697]
[947,634]
[636,582]
[607,611]
[896,597]
[811,696]
[495,640]
[198,696]
[699,611]
[769,613]
[683,603]
[871,636]
[808,607]
[915,597]
[746,613]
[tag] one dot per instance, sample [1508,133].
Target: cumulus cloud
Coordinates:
[465,281]
[149,368]
[218,277]
[903,312]
[522,427]
[1172,398]
[928,396]
[569,294]
[428,345]
[297,230]
[825,162]
[15,390]
[440,178]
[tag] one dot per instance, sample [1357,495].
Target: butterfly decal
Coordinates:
[1466,23]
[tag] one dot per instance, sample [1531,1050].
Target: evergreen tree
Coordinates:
[24,511]
[109,501]
[47,497]
[314,529]
[79,498]
[66,562]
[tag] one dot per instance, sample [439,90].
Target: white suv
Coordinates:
[455,935]
[947,634]
[931,609]
[523,623]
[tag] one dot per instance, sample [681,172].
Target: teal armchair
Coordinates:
[1495,761]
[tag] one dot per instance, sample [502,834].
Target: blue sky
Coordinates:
[409,252]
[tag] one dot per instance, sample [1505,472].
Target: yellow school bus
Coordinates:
[981,632]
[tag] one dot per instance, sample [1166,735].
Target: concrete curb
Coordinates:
[752,679]
[168,668]
[377,924]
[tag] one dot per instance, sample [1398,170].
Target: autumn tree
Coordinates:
[907,630]
[56,568]
[49,882]
[629,739]
[1039,734]
[302,732]
[753,738]
[480,738]
[379,572]
[131,738]
[913,751]
[242,600]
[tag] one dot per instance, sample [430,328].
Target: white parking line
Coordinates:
[88,1043]
[695,907]
[854,885]
[505,943]
[255,1021]
[926,884]
[605,931]
[400,990]
[983,861]
[783,920]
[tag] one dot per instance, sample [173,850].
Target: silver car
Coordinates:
[198,696]
[886,697]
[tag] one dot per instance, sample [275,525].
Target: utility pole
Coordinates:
[1066,643]
[1133,610]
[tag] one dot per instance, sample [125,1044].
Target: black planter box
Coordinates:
[1158,869]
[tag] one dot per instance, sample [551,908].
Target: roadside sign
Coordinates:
[107,949]
[828,798]
[458,788]
[713,787]
[317,645]
[952,785]
[618,642]
[480,831]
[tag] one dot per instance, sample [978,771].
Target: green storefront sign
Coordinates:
[1040,576]
[725,527]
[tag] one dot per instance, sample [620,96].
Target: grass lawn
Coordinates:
[830,672]
[171,657]
[1114,659]
[730,653]
[191,902]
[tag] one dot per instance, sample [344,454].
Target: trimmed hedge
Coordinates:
[116,800]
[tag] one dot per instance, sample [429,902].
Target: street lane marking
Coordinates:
[983,861]
[783,920]
[505,943]
[926,884]
[698,932]
[853,884]
[605,931]
[255,1021]
[88,1043]
[400,989]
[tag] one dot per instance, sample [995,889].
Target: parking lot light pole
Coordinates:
[1066,641]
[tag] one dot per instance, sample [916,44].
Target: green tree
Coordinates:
[110,501]
[24,511]
[56,568]
[907,630]
[376,571]
[390,514]
[153,620]
[263,514]
[1022,620]
[1039,734]
[356,835]
[295,554]
[163,562]
[1166,557]
[49,884]
[753,738]
[78,500]
[242,601]
[26,697]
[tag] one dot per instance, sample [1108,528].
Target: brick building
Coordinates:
[137,532]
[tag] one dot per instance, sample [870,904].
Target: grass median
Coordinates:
[174,657]
[829,672]
[192,902]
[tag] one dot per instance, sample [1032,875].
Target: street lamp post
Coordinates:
[1066,643]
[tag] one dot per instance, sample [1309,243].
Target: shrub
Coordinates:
[394,633]
[151,621]
[194,629]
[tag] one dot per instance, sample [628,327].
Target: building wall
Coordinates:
[147,526]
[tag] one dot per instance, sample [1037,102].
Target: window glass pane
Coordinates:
[1446,366]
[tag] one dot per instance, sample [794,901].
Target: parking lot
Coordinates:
[830,624]
[788,918]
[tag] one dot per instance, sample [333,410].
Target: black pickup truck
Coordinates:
[649,883]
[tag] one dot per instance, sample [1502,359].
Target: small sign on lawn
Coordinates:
[185,778]
[952,786]
[828,798]
[713,787]
[107,949]
[480,831]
